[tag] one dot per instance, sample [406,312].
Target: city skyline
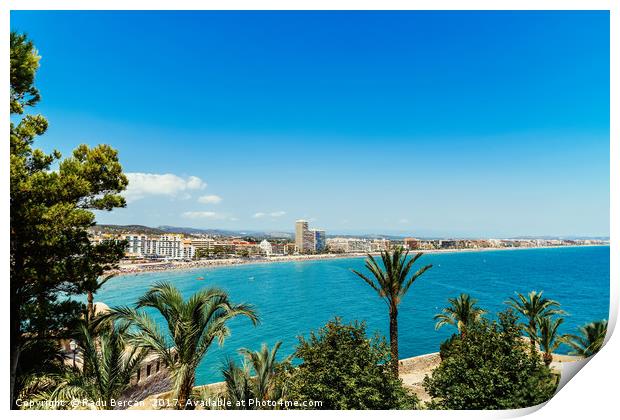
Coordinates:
[374,122]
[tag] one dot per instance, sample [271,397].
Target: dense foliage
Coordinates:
[446,347]
[51,208]
[344,369]
[490,368]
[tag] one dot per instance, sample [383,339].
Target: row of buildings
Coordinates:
[359,245]
[307,241]
[181,247]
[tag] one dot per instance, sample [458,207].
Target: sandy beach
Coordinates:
[156,266]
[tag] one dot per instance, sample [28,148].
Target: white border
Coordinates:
[591,395]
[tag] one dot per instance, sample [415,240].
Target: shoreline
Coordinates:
[155,267]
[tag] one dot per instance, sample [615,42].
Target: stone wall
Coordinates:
[423,363]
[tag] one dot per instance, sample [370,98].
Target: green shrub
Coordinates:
[344,369]
[446,347]
[490,368]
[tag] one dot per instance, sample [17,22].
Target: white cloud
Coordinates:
[210,199]
[404,221]
[143,184]
[207,215]
[202,215]
[195,183]
[272,214]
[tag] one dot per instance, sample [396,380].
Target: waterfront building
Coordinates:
[278,248]
[169,246]
[141,246]
[289,248]
[318,239]
[411,243]
[134,245]
[349,245]
[379,245]
[447,244]
[304,238]
[359,245]
[266,247]
[164,246]
[301,227]
[337,245]
[428,245]
[188,251]
[203,243]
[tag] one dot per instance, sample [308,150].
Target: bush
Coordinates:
[490,368]
[344,369]
[446,347]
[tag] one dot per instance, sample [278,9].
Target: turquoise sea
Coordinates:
[293,298]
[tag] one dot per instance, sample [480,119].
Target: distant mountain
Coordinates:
[219,232]
[160,230]
[259,235]
[197,231]
[366,236]
[127,228]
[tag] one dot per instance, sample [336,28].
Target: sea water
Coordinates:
[293,298]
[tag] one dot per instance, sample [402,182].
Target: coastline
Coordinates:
[163,266]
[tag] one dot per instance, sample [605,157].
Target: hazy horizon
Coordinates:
[424,233]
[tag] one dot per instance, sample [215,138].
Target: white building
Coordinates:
[188,251]
[349,245]
[379,245]
[265,247]
[163,246]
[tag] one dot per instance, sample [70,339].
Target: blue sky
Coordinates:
[420,123]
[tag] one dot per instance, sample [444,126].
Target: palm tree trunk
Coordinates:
[394,340]
[532,340]
[91,306]
[548,358]
[184,394]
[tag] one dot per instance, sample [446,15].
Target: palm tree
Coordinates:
[264,364]
[392,283]
[461,313]
[242,386]
[533,307]
[111,364]
[550,340]
[238,385]
[193,325]
[92,286]
[591,340]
